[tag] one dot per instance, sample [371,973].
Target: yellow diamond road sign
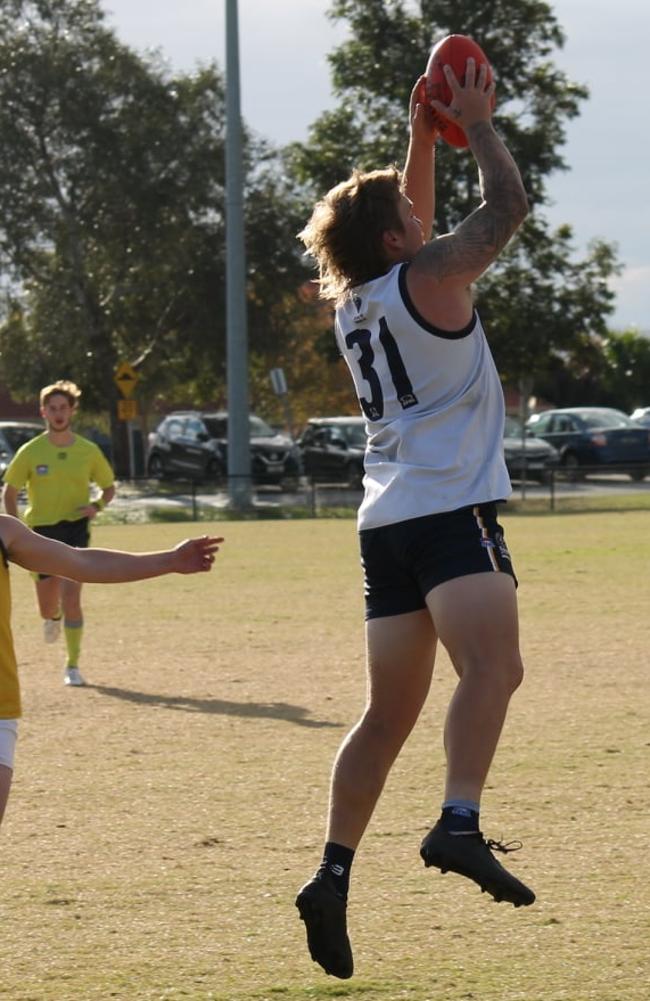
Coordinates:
[126,378]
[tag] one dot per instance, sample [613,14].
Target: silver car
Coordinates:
[527,457]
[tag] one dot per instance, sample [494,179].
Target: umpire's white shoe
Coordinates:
[51,630]
[73,677]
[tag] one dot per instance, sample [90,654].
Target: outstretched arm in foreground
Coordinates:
[103,566]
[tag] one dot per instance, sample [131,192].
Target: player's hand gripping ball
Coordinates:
[454,51]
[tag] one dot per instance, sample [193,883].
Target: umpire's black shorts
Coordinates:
[404,561]
[73,533]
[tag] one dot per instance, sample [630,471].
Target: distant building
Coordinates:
[512,398]
[10,409]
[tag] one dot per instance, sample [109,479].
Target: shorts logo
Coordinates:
[501,546]
[498,542]
[42,470]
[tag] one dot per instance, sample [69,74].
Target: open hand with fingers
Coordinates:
[472,101]
[458,71]
[195,555]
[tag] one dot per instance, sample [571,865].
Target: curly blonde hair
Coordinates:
[65,388]
[344,234]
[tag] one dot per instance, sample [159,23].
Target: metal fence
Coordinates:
[143,499]
[146,499]
[587,487]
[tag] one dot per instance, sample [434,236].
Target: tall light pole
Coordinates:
[239,462]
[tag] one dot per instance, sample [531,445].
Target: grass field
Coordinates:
[162,820]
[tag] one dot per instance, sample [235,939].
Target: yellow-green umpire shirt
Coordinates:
[57,478]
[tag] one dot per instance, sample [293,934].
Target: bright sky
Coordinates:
[285,86]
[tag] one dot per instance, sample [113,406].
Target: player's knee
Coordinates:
[386,729]
[514,671]
[72,608]
[508,672]
[504,671]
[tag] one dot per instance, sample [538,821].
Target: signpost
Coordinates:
[126,379]
[239,459]
[127,410]
[279,383]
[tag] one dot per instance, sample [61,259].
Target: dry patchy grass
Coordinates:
[162,819]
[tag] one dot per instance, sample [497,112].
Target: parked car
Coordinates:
[527,455]
[13,434]
[194,444]
[642,416]
[595,436]
[332,449]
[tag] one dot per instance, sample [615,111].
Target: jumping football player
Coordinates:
[58,468]
[435,561]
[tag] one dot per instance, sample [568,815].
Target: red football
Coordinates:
[454,51]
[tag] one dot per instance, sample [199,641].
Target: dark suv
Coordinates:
[194,444]
[333,448]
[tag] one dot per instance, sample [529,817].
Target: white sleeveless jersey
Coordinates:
[433,405]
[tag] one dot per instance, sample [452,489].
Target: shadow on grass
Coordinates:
[256,710]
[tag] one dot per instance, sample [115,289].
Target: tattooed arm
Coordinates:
[449,264]
[465,254]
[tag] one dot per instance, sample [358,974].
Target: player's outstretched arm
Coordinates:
[103,566]
[462,256]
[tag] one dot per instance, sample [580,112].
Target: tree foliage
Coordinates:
[613,370]
[549,315]
[539,300]
[627,379]
[107,195]
[112,233]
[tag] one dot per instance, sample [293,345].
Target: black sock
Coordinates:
[459,819]
[337,862]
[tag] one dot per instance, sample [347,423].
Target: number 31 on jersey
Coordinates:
[373,408]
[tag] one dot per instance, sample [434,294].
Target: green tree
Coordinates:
[112,231]
[545,309]
[626,378]
[539,299]
[610,369]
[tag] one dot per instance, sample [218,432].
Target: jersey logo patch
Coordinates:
[360,316]
[42,470]
[62,455]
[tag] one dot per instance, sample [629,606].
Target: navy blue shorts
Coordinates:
[403,562]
